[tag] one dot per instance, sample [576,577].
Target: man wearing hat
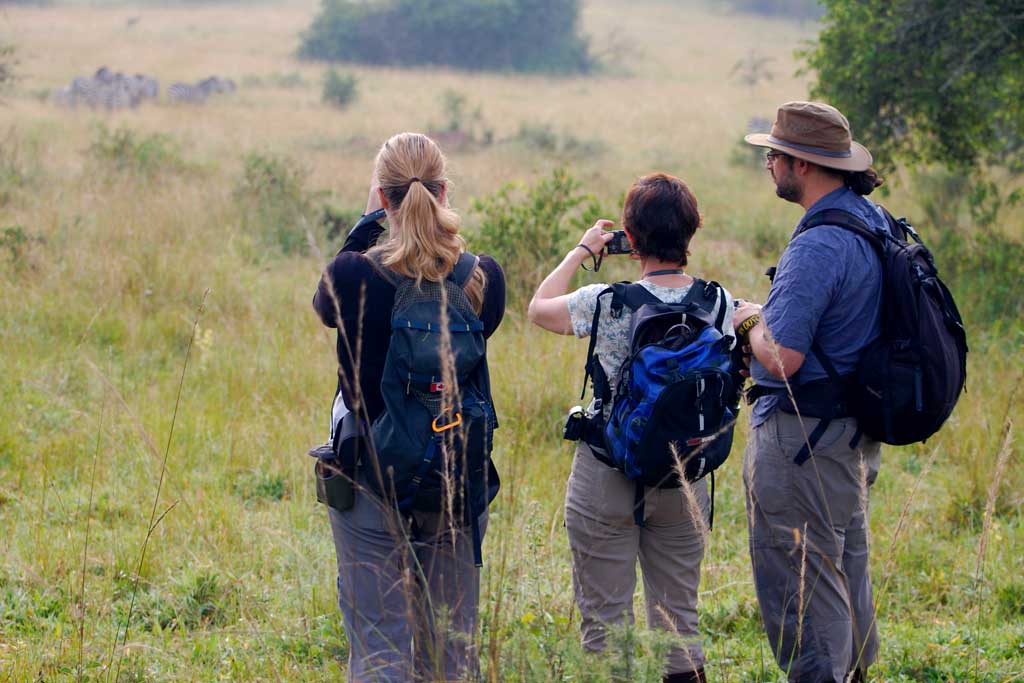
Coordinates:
[807,468]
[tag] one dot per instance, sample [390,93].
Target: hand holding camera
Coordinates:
[598,241]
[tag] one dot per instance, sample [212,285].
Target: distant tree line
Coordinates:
[796,9]
[518,35]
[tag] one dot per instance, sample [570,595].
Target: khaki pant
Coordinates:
[409,605]
[809,546]
[606,542]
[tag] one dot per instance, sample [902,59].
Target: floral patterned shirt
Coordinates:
[612,344]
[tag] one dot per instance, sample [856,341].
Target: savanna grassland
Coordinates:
[135,241]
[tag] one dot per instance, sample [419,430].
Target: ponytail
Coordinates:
[863,182]
[424,241]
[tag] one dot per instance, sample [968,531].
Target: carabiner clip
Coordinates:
[444,428]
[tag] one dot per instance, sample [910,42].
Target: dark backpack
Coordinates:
[909,379]
[676,395]
[432,443]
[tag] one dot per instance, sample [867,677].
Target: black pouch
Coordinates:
[333,488]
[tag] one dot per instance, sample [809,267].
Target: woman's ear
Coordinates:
[442,198]
[383,200]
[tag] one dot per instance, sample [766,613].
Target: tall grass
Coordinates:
[114,259]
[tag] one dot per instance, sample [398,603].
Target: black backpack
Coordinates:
[433,442]
[909,379]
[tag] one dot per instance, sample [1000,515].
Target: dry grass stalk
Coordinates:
[154,520]
[993,495]
[85,548]
[670,625]
[686,490]
[800,538]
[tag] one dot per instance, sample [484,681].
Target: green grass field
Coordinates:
[107,253]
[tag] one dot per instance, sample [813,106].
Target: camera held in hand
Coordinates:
[619,243]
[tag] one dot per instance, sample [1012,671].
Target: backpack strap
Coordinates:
[840,218]
[706,296]
[593,367]
[464,268]
[876,238]
[631,295]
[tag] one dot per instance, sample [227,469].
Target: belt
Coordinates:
[822,399]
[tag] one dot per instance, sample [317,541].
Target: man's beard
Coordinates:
[787,188]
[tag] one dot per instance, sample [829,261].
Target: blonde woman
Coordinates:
[408,554]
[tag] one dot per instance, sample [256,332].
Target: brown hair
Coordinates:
[862,182]
[661,216]
[424,241]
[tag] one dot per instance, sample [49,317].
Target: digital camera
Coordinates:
[619,243]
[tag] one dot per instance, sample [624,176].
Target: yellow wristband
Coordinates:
[747,325]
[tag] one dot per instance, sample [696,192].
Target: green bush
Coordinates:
[462,126]
[544,138]
[7,63]
[520,35]
[339,89]
[125,150]
[274,201]
[528,229]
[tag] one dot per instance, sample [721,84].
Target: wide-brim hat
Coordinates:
[815,132]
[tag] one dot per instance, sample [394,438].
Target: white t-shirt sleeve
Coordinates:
[582,304]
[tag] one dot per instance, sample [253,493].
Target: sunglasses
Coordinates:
[771,155]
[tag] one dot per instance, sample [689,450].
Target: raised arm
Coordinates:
[549,307]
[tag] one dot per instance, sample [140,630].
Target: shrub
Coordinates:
[125,150]
[461,127]
[7,63]
[274,200]
[339,89]
[16,241]
[521,35]
[528,229]
[544,138]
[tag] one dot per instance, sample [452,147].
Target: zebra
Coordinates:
[216,84]
[187,93]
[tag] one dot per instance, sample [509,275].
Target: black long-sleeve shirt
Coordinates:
[350,272]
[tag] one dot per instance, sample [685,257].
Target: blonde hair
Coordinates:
[424,241]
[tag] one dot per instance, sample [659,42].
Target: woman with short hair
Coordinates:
[660,216]
[408,565]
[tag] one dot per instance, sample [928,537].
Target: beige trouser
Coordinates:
[605,544]
[809,546]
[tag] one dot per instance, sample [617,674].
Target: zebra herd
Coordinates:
[111,90]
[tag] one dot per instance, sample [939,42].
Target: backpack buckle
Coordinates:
[439,429]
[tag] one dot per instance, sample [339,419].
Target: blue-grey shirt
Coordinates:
[828,287]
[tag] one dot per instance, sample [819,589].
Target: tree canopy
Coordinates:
[521,35]
[927,80]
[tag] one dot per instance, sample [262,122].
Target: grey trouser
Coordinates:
[605,544]
[809,546]
[410,607]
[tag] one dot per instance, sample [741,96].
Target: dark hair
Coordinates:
[861,182]
[661,216]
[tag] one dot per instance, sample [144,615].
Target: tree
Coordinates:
[927,80]
[521,35]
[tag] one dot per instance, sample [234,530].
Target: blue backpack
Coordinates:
[432,444]
[677,396]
